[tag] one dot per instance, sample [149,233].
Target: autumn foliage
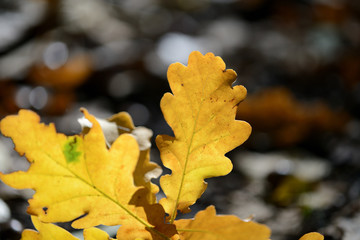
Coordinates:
[96,179]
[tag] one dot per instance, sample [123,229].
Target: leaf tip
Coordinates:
[312,236]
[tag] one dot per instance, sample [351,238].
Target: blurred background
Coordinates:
[299,60]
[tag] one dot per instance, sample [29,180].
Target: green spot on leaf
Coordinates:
[70,149]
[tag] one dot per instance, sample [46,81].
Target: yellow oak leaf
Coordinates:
[78,177]
[207,225]
[121,123]
[95,234]
[145,170]
[312,236]
[48,231]
[201,112]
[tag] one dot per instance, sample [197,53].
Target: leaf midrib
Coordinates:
[147,226]
[173,216]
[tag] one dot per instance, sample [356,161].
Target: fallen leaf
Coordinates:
[201,111]
[67,77]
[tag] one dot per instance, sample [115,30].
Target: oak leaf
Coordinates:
[102,176]
[145,170]
[201,112]
[78,177]
[312,236]
[47,231]
[207,225]
[122,123]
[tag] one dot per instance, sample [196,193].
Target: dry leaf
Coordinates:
[68,76]
[145,170]
[122,123]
